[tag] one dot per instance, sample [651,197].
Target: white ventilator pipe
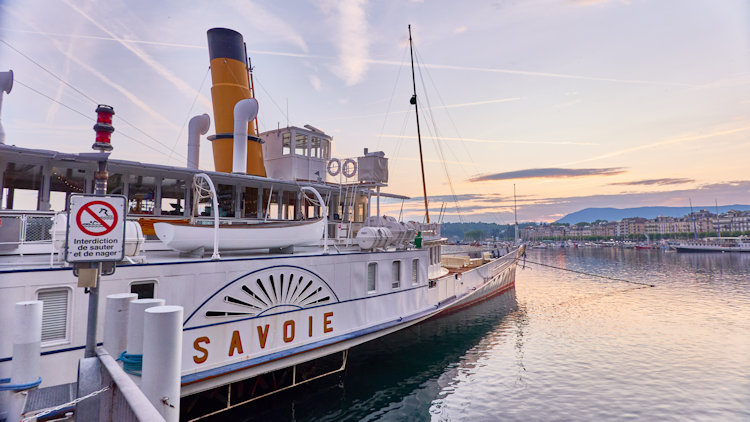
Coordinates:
[6,84]
[27,339]
[162,359]
[198,126]
[135,323]
[244,111]
[116,322]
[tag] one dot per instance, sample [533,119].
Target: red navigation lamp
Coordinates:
[103,128]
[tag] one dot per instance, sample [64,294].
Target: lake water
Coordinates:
[562,346]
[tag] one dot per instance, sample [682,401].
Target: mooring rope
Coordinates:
[63,406]
[132,364]
[589,274]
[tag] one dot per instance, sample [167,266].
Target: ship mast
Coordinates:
[515,213]
[419,134]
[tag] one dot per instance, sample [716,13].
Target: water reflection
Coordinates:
[397,377]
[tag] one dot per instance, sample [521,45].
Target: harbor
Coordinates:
[358,211]
[563,346]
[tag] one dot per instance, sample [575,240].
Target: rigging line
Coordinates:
[393,94]
[119,117]
[283,113]
[49,72]
[438,143]
[450,117]
[184,123]
[86,116]
[590,274]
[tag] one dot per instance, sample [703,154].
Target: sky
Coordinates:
[576,103]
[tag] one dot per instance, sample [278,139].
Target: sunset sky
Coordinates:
[578,103]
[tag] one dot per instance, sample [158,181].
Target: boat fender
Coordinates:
[334,167]
[349,168]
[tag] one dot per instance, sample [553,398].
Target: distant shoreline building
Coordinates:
[700,221]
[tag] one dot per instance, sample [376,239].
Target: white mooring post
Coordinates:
[116,314]
[24,368]
[135,323]
[162,359]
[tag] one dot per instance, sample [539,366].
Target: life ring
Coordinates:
[349,168]
[334,170]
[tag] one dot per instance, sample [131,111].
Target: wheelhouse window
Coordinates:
[396,275]
[372,272]
[54,314]
[300,145]
[316,147]
[414,273]
[286,143]
[326,147]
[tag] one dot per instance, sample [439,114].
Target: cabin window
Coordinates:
[286,143]
[144,289]
[114,184]
[251,203]
[54,314]
[315,147]
[172,196]
[63,182]
[372,272]
[396,275]
[300,145]
[414,273]
[289,204]
[225,197]
[21,186]
[141,194]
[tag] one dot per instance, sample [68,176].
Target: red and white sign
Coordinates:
[96,228]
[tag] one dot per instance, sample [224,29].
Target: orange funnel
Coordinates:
[231,84]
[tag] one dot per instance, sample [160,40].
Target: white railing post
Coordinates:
[162,359]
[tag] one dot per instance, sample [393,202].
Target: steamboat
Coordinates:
[280,257]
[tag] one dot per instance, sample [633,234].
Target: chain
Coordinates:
[64,405]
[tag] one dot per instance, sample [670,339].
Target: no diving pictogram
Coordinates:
[96,218]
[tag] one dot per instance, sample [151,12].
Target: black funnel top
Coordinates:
[226,43]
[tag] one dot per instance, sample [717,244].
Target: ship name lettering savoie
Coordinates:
[241,342]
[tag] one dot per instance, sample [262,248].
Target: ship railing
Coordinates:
[18,228]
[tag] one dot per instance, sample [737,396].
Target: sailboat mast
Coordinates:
[419,134]
[515,213]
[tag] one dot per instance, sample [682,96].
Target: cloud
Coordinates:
[351,38]
[657,182]
[490,141]
[316,83]
[548,173]
[159,68]
[460,30]
[490,207]
[264,21]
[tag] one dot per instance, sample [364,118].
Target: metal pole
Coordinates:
[419,134]
[100,188]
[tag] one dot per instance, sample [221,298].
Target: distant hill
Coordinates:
[616,214]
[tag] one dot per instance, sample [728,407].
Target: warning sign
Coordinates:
[96,228]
